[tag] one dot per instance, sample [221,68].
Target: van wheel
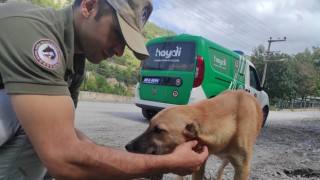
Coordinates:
[148,113]
[265,111]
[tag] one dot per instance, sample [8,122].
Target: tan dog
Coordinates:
[227,124]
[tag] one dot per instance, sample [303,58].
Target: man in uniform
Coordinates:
[42,59]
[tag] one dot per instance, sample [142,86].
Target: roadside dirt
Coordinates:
[288,149]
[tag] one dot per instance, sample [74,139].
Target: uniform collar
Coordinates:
[67,14]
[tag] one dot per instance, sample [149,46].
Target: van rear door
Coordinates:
[167,75]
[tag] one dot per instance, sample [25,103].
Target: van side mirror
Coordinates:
[265,86]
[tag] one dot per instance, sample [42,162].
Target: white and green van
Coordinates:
[184,69]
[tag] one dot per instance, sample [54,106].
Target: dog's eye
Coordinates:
[157,130]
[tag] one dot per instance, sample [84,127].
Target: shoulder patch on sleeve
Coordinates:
[47,53]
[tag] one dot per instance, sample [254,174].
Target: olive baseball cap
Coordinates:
[132,16]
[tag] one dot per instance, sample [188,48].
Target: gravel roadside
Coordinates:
[288,147]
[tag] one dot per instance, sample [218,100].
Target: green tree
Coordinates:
[257,59]
[102,84]
[307,74]
[120,90]
[43,3]
[279,76]
[50,3]
[151,31]
[316,62]
[91,82]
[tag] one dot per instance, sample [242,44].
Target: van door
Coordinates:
[167,75]
[254,84]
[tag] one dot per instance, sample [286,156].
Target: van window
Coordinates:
[175,56]
[254,79]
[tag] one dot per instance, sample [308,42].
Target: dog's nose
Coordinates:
[129,147]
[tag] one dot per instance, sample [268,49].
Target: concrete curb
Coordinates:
[94,96]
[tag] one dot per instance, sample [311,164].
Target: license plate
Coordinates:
[148,80]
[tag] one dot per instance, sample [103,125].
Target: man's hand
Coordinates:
[187,160]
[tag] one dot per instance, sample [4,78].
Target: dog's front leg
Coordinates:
[242,172]
[199,174]
[224,163]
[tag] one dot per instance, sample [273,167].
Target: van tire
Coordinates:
[265,111]
[148,113]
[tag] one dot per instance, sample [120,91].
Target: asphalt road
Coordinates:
[288,147]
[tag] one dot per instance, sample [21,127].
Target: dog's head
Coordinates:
[169,128]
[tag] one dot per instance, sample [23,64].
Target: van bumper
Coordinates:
[196,95]
[151,104]
[144,104]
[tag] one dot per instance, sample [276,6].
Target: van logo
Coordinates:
[175,93]
[222,63]
[154,90]
[169,53]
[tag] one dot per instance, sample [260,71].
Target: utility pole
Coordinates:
[266,59]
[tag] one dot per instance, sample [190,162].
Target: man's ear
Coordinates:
[191,130]
[88,6]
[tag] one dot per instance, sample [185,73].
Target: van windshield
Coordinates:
[175,56]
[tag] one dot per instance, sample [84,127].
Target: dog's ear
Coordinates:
[191,130]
